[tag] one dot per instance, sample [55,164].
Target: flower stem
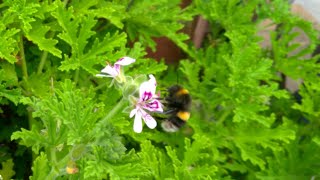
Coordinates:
[76,76]
[25,75]
[102,124]
[53,155]
[223,117]
[53,159]
[65,2]
[114,111]
[23,59]
[100,86]
[44,55]
[42,62]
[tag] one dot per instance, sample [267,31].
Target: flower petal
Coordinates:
[147,90]
[117,67]
[148,119]
[110,70]
[152,80]
[137,124]
[133,112]
[125,61]
[153,84]
[103,75]
[153,105]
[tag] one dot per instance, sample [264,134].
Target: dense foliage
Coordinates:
[60,121]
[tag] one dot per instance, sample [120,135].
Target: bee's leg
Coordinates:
[166,112]
[169,111]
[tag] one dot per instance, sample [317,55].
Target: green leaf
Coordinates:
[40,167]
[147,19]
[191,70]
[297,160]
[68,23]
[65,116]
[191,166]
[7,171]
[316,140]
[128,166]
[156,162]
[292,59]
[67,112]
[310,99]
[8,74]
[13,95]
[6,91]
[22,10]
[146,66]
[8,43]
[99,50]
[40,86]
[31,138]
[107,142]
[115,13]
[201,165]
[77,32]
[38,36]
[175,161]
[249,138]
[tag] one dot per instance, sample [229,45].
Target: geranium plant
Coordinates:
[80,99]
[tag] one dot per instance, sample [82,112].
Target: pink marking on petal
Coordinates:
[146,96]
[148,86]
[117,68]
[154,106]
[145,87]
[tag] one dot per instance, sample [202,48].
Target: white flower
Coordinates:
[147,102]
[115,71]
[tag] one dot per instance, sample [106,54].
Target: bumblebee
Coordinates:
[178,102]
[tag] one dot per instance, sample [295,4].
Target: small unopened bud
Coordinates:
[72,168]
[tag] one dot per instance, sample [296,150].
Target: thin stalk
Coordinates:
[114,111]
[42,62]
[53,155]
[54,171]
[65,2]
[76,76]
[25,76]
[44,55]
[100,86]
[223,117]
[23,59]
